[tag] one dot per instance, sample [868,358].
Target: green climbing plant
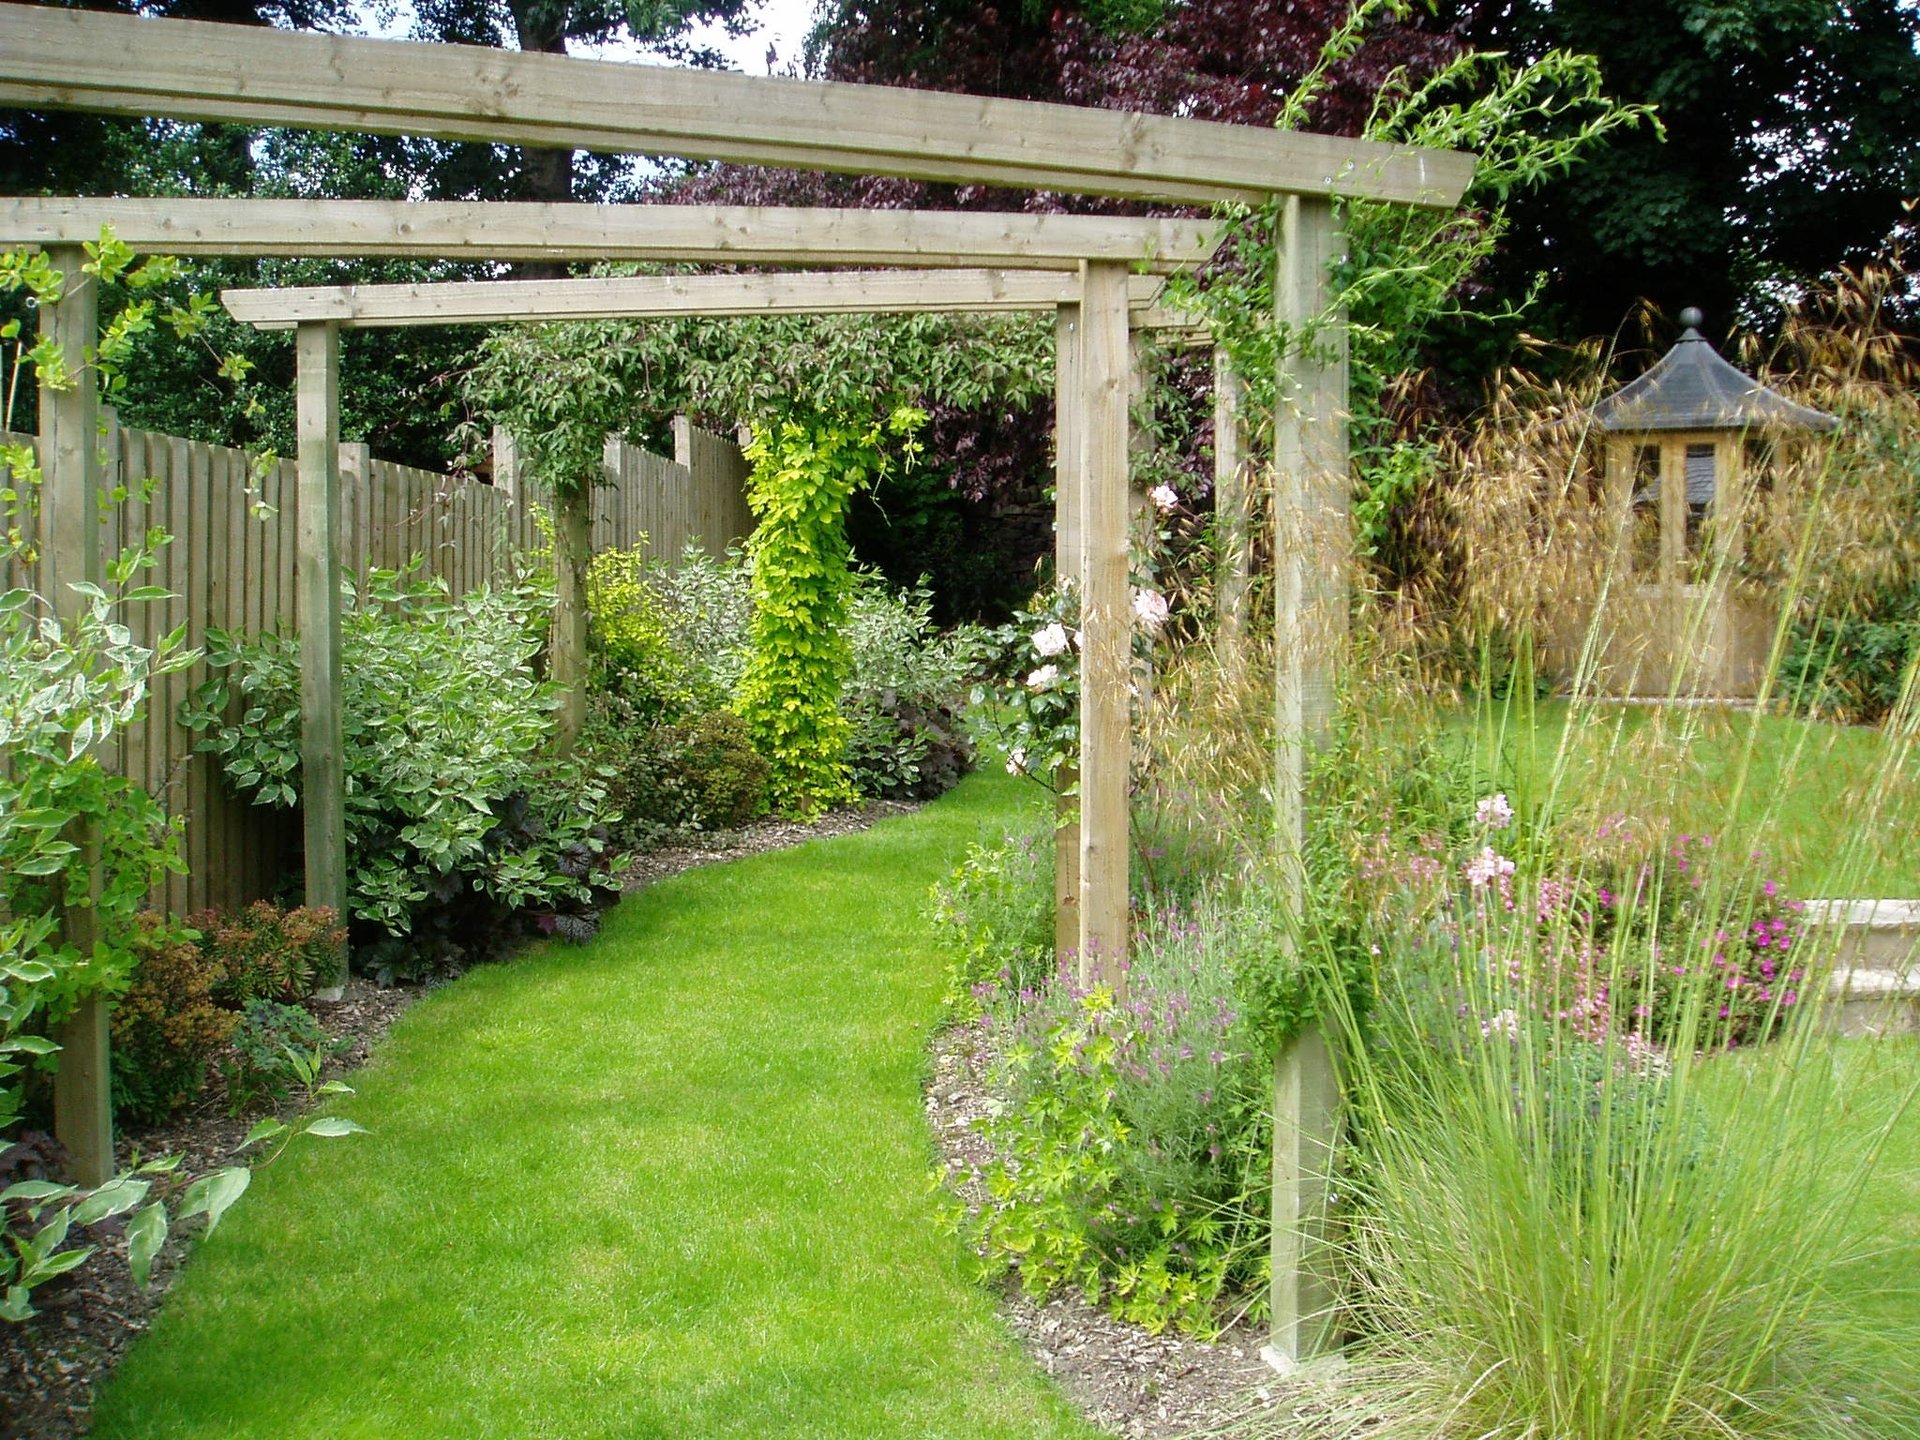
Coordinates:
[804,474]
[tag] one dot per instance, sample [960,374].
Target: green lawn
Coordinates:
[1835,807]
[1883,1283]
[670,1184]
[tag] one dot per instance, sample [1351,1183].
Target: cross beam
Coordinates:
[488,302]
[189,70]
[717,234]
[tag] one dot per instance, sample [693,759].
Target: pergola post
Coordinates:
[1069,570]
[317,600]
[1311,546]
[1231,522]
[70,555]
[1106,624]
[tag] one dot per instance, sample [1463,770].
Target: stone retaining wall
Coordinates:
[1876,984]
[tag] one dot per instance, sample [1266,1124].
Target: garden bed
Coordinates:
[1135,1384]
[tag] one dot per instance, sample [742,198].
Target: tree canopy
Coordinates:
[1790,147]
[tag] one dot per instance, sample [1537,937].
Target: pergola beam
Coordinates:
[511,231]
[487,302]
[189,70]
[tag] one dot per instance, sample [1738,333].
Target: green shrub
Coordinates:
[666,780]
[638,647]
[66,687]
[267,953]
[706,607]
[905,739]
[166,1027]
[457,817]
[994,915]
[1855,667]
[269,1043]
[725,776]
[1132,1150]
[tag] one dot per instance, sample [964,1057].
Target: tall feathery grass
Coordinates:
[1604,1153]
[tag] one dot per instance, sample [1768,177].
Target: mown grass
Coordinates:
[1881,1282]
[1802,791]
[670,1184]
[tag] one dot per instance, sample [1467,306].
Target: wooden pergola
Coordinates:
[193,71]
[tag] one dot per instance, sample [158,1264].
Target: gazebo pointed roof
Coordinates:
[1692,388]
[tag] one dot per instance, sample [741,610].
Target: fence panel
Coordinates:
[230,566]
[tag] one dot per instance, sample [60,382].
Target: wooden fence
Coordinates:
[229,566]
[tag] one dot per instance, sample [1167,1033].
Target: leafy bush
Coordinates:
[1855,667]
[267,953]
[666,780]
[66,687]
[725,777]
[451,796]
[906,740]
[638,648]
[269,1044]
[1132,1153]
[994,914]
[166,1027]
[706,607]
[671,645]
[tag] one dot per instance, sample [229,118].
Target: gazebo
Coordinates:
[1688,445]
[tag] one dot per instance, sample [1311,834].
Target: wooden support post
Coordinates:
[506,464]
[1311,545]
[70,446]
[1231,520]
[1068,568]
[1106,625]
[317,598]
[567,653]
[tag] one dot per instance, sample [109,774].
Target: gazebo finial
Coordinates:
[1692,318]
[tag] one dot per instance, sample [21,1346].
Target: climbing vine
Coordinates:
[826,399]
[804,474]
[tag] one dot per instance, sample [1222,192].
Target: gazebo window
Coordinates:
[1646,510]
[1700,493]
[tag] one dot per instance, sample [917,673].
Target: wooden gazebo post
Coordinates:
[1106,622]
[1068,569]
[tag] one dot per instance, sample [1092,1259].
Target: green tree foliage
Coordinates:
[1790,144]
[549,27]
[1408,272]
[820,394]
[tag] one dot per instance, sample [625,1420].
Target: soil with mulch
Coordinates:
[51,1365]
[1137,1385]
